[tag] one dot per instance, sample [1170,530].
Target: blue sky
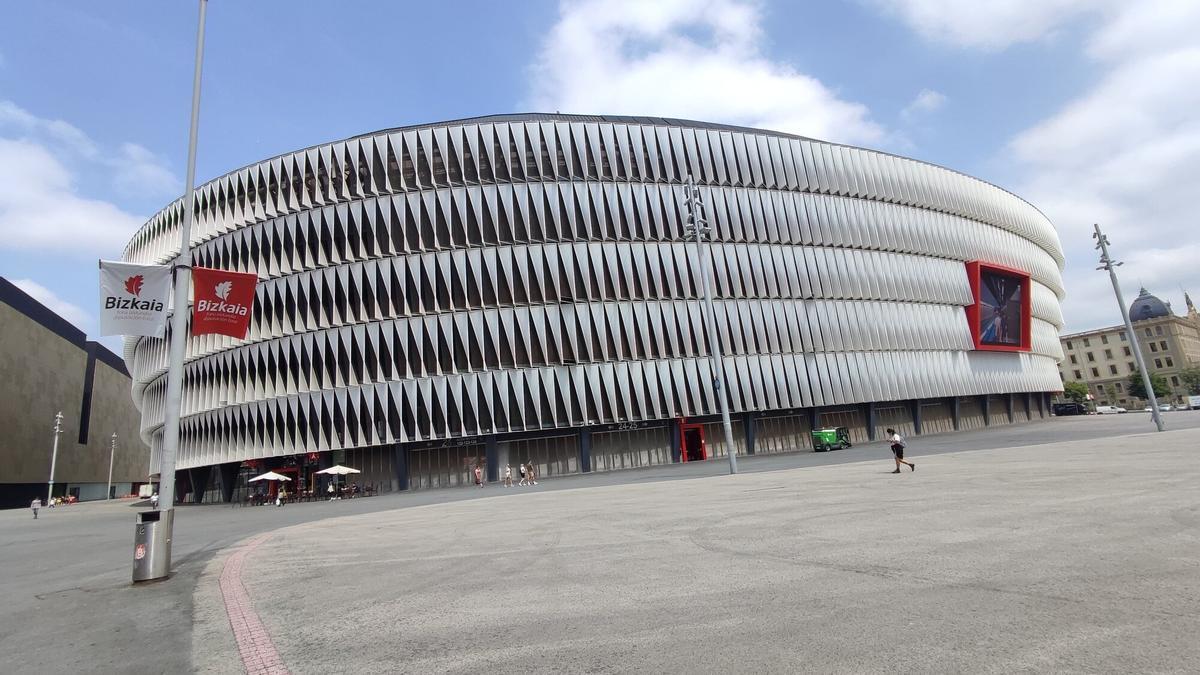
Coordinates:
[1084,108]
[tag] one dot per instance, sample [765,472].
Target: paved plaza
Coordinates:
[1067,545]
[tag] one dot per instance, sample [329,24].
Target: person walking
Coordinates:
[330,490]
[898,446]
[478,476]
[508,475]
[523,477]
[35,505]
[532,474]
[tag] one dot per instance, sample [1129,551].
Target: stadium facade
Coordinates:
[517,288]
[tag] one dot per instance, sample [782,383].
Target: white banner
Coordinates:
[133,298]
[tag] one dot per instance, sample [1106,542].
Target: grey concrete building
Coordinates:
[47,365]
[517,288]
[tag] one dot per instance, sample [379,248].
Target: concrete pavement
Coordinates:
[69,605]
[1069,557]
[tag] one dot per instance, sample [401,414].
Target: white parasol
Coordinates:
[270,475]
[339,470]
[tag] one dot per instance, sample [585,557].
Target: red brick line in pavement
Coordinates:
[258,652]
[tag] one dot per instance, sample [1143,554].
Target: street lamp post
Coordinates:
[1107,263]
[112,451]
[698,229]
[54,455]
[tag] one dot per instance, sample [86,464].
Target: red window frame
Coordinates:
[975,270]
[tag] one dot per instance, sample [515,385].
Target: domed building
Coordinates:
[1103,358]
[1148,306]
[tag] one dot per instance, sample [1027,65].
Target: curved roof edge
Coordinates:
[618,119]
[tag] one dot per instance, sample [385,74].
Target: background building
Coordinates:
[516,288]
[1103,358]
[47,365]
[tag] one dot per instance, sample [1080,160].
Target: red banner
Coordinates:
[221,301]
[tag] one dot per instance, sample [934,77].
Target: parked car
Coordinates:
[1162,407]
[1109,410]
[1071,408]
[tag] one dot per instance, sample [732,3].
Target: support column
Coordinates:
[749,424]
[400,465]
[491,456]
[1028,406]
[1009,403]
[814,416]
[954,405]
[199,477]
[869,414]
[985,405]
[229,472]
[916,415]
[673,434]
[585,450]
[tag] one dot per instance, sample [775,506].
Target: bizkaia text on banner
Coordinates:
[133,298]
[221,301]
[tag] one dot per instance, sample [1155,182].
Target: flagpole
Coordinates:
[179,327]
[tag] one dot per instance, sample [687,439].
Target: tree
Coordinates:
[1191,379]
[1075,391]
[1157,382]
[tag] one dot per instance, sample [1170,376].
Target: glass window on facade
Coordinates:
[1120,387]
[1170,362]
[1073,359]
[1112,370]
[1158,330]
[1127,352]
[1091,357]
[1108,353]
[1078,375]
[1131,366]
[1069,346]
[1163,345]
[1154,346]
[1122,336]
[1158,363]
[1104,339]
[1095,372]
[1174,381]
[1149,333]
[1087,342]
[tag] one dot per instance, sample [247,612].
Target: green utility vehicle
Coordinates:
[831,439]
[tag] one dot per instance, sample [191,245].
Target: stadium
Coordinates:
[518,288]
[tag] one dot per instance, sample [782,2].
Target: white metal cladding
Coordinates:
[527,272]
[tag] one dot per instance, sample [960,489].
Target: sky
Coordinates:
[1085,109]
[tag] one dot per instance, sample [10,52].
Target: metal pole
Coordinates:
[179,328]
[1107,263]
[112,451]
[54,455]
[699,225]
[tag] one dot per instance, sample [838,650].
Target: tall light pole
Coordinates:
[698,229]
[54,455]
[1107,263]
[179,334]
[112,451]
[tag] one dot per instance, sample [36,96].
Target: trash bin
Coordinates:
[152,545]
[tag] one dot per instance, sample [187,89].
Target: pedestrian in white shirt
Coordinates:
[898,446]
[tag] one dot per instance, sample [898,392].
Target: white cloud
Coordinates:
[70,312]
[1125,154]
[41,208]
[926,101]
[141,172]
[685,59]
[991,25]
